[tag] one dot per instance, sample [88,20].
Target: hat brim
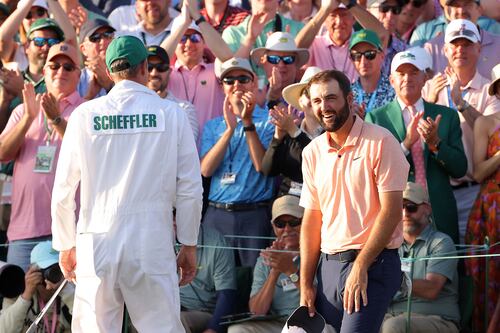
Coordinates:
[491,88]
[292,94]
[47,263]
[91,31]
[224,72]
[302,55]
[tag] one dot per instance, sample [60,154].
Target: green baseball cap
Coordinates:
[365,36]
[128,48]
[46,23]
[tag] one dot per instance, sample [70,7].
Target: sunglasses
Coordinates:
[162,68]
[275,59]
[230,80]
[292,223]
[96,38]
[40,41]
[384,8]
[369,55]
[39,12]
[410,207]
[66,67]
[194,38]
[418,3]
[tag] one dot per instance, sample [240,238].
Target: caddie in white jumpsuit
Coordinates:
[134,157]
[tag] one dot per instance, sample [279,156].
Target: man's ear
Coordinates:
[108,73]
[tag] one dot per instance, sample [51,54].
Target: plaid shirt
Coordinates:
[232,16]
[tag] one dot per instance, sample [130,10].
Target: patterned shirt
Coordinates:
[383,95]
[396,45]
[232,16]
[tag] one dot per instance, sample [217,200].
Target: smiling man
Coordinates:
[33,135]
[354,175]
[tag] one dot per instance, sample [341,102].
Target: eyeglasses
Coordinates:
[162,68]
[275,59]
[410,207]
[194,38]
[292,223]
[384,8]
[96,37]
[66,67]
[369,55]
[230,80]
[39,12]
[40,41]
[418,3]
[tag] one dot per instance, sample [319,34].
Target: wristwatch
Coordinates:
[351,4]
[250,128]
[57,120]
[462,106]
[294,277]
[200,20]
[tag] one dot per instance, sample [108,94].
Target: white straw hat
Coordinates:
[280,41]
[495,76]
[292,93]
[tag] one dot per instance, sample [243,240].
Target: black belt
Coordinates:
[463,185]
[348,256]
[344,256]
[231,207]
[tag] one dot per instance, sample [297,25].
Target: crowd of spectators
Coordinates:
[426,70]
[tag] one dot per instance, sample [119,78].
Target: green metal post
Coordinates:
[408,304]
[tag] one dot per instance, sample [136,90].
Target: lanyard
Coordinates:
[41,304]
[220,26]
[143,34]
[185,87]
[373,96]
[450,101]
[332,49]
[47,129]
[232,153]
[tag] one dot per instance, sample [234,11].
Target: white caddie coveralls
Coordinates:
[134,156]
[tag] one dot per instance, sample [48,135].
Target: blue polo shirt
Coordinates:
[250,185]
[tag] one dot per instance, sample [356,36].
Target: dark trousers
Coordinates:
[244,223]
[384,279]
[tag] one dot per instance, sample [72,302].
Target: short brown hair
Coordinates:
[331,75]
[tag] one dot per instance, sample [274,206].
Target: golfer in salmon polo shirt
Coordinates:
[354,176]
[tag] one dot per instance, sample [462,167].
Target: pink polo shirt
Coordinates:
[200,87]
[345,184]
[476,94]
[32,191]
[326,55]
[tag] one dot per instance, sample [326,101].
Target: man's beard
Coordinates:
[340,119]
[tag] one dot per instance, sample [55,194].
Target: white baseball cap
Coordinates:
[408,57]
[280,41]
[222,68]
[177,23]
[461,29]
[36,3]
[423,55]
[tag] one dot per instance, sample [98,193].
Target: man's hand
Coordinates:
[411,130]
[229,116]
[275,83]
[355,289]
[248,100]
[13,82]
[50,106]
[78,16]
[256,25]
[455,92]
[32,278]
[281,262]
[436,84]
[186,263]
[98,67]
[31,101]
[284,118]
[428,130]
[308,297]
[359,110]
[330,4]
[67,262]
[192,7]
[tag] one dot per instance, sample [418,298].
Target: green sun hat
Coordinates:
[127,48]
[46,23]
[365,36]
